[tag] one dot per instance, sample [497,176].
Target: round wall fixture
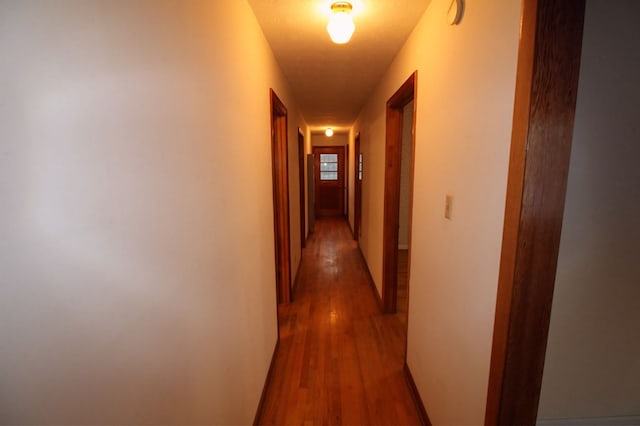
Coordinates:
[456,9]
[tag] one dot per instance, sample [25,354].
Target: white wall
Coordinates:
[592,367]
[466,81]
[137,281]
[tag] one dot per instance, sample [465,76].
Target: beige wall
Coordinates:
[592,366]
[338,139]
[466,80]
[136,228]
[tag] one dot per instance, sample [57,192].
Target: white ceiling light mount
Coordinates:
[341,27]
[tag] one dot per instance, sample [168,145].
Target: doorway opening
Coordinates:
[396,112]
[280,169]
[301,160]
[404,213]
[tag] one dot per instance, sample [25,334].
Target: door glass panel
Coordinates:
[328,158]
[328,175]
[328,166]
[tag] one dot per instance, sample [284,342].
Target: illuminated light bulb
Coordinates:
[340,26]
[329,132]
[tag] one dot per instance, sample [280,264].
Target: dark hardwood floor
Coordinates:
[340,361]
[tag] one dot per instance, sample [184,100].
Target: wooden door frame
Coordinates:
[301,174]
[545,101]
[393,158]
[346,182]
[317,172]
[280,175]
[357,190]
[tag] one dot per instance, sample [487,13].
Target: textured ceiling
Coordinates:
[331,82]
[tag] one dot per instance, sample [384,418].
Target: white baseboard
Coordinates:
[592,421]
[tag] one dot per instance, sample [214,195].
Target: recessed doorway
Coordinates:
[280,198]
[357,189]
[396,113]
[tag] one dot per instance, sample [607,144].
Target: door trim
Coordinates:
[545,101]
[280,172]
[346,182]
[393,156]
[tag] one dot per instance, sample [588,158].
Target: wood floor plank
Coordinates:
[340,360]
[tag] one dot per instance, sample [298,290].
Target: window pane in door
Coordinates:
[328,158]
[328,167]
[328,175]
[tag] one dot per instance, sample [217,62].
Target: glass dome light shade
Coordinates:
[341,26]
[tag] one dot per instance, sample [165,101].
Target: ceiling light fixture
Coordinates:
[329,132]
[341,27]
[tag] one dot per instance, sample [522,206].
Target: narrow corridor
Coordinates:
[340,361]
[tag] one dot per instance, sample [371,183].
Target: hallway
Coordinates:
[150,152]
[340,361]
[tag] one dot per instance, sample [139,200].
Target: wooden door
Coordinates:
[329,178]
[357,196]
